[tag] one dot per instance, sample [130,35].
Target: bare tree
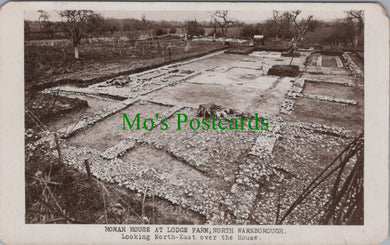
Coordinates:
[45,24]
[190,28]
[356,18]
[222,19]
[286,25]
[276,22]
[43,16]
[213,23]
[144,25]
[76,24]
[299,29]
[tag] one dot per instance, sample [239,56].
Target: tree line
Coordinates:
[283,25]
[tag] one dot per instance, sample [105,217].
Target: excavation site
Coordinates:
[305,168]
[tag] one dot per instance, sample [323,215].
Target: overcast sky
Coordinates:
[244,16]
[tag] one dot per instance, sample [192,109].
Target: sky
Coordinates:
[244,16]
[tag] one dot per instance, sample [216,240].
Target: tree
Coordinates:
[356,19]
[279,25]
[247,31]
[342,33]
[144,25]
[172,30]
[276,24]
[160,32]
[298,28]
[268,29]
[192,28]
[77,24]
[221,18]
[287,25]
[45,24]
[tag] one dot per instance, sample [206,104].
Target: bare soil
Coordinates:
[329,89]
[329,61]
[324,112]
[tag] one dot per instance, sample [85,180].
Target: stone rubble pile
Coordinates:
[287,106]
[319,61]
[213,110]
[351,65]
[242,201]
[265,141]
[119,81]
[339,62]
[254,170]
[196,196]
[295,91]
[263,145]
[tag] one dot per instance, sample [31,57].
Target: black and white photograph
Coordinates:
[201,121]
[300,70]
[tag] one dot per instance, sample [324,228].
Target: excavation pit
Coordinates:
[284,70]
[329,89]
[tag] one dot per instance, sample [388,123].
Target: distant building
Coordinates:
[258,39]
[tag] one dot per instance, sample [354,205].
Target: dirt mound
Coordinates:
[284,70]
[213,110]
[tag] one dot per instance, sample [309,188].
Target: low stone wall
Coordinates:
[339,62]
[327,98]
[294,92]
[87,121]
[351,65]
